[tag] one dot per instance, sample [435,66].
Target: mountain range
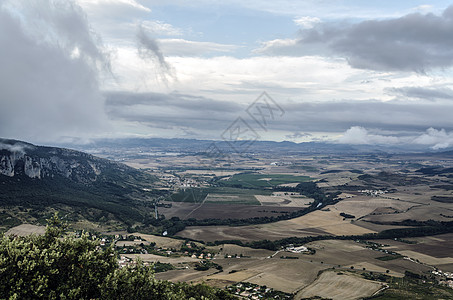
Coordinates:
[42,179]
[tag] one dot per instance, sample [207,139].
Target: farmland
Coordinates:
[325,203]
[26,229]
[222,211]
[315,223]
[338,285]
[250,180]
[373,193]
[333,269]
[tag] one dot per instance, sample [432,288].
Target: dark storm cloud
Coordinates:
[172,110]
[341,115]
[198,113]
[414,42]
[149,49]
[172,100]
[48,73]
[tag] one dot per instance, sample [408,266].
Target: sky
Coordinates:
[340,71]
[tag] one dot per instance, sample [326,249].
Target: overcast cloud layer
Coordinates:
[48,79]
[378,72]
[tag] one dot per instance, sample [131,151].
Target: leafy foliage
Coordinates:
[53,266]
[411,286]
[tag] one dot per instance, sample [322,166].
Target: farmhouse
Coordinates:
[293,249]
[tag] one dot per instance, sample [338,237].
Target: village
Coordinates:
[254,291]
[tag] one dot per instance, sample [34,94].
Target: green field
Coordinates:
[193,195]
[253,180]
[239,189]
[219,195]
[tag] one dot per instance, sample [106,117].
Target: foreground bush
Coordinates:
[55,267]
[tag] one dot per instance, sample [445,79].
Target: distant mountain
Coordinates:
[40,178]
[121,148]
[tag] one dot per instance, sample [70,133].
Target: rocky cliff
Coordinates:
[35,179]
[23,159]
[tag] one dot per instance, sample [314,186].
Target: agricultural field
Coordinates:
[224,211]
[228,195]
[267,186]
[336,179]
[161,241]
[422,212]
[26,229]
[190,195]
[218,173]
[334,270]
[339,285]
[152,258]
[219,195]
[284,199]
[281,274]
[252,180]
[361,206]
[435,251]
[315,223]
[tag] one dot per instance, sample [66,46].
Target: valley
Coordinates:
[367,221]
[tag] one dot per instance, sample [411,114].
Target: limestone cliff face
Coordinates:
[22,159]
[34,179]
[7,163]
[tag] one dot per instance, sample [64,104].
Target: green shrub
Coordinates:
[54,266]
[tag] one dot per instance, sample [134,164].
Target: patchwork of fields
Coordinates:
[367,195]
[368,202]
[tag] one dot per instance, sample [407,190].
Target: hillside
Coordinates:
[35,180]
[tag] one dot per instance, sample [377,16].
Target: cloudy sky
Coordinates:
[349,71]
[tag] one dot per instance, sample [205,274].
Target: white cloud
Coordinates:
[182,47]
[437,139]
[425,8]
[307,22]
[310,78]
[160,28]
[17,147]
[357,135]
[327,8]
[89,4]
[277,47]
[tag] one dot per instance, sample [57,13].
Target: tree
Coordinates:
[59,266]
[50,266]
